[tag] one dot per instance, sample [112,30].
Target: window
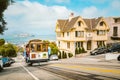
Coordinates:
[32,47]
[68,45]
[76,34]
[100,43]
[79,33]
[101,32]
[67,33]
[115,20]
[59,44]
[115,31]
[79,44]
[79,23]
[101,23]
[38,47]
[63,34]
[44,47]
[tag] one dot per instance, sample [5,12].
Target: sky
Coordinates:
[39,17]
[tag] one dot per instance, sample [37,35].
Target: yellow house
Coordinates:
[77,32]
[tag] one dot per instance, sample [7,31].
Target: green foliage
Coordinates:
[70,55]
[3,6]
[64,55]
[80,50]
[83,50]
[77,51]
[46,41]
[59,55]
[2,42]
[54,48]
[8,50]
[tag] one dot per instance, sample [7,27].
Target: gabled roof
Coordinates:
[92,23]
[66,25]
[70,24]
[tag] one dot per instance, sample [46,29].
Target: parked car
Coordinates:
[97,51]
[6,61]
[11,60]
[1,63]
[114,48]
[54,57]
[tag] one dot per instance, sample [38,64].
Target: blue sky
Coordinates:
[40,16]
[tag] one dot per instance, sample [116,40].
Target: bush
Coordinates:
[59,56]
[62,55]
[70,55]
[80,50]
[8,50]
[76,51]
[65,55]
[54,48]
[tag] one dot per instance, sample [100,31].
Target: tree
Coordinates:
[3,6]
[54,48]
[8,50]
[2,41]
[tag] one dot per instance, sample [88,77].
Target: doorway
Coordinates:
[88,45]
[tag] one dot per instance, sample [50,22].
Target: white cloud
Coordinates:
[92,12]
[34,17]
[58,1]
[62,1]
[116,4]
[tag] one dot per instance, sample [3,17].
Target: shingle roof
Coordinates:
[92,23]
[66,25]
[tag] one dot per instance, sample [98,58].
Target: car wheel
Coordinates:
[0,68]
[30,64]
[118,58]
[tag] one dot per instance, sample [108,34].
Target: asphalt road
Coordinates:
[58,70]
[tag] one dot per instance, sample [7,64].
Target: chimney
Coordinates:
[71,16]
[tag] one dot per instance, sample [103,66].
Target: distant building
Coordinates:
[114,33]
[78,32]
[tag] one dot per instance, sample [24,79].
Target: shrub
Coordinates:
[83,50]
[8,50]
[76,51]
[54,48]
[59,55]
[80,50]
[62,55]
[70,55]
[65,55]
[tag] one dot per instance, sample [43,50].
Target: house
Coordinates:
[114,33]
[77,32]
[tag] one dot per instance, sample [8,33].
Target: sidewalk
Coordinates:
[88,60]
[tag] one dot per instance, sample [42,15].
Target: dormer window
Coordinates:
[101,23]
[116,20]
[79,23]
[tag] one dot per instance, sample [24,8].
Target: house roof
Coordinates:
[66,25]
[92,23]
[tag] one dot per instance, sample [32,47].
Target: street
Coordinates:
[87,68]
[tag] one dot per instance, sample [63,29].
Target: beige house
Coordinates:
[114,33]
[77,32]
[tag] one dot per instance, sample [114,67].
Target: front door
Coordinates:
[88,45]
